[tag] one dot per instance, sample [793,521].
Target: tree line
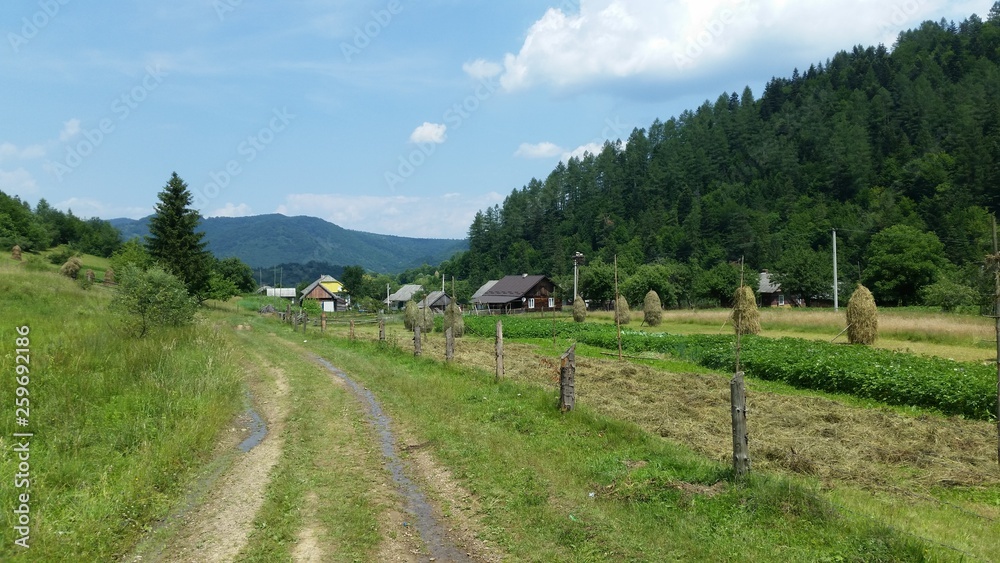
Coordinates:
[898,151]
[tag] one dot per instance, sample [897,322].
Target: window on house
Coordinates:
[781,300]
[552,302]
[531,303]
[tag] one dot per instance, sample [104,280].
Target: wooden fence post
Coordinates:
[288,313]
[381,331]
[305,322]
[741,446]
[352,330]
[567,377]
[295,323]
[449,345]
[416,340]
[322,321]
[499,347]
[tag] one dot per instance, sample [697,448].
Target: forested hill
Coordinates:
[269,240]
[871,139]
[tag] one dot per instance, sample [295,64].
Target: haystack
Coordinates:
[623,315]
[410,315]
[15,253]
[745,317]
[453,320]
[862,317]
[71,268]
[652,309]
[579,309]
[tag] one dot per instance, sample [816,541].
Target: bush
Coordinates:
[579,309]
[948,295]
[862,317]
[148,298]
[61,256]
[623,314]
[745,317]
[453,319]
[652,309]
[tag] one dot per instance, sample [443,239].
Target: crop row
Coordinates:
[954,388]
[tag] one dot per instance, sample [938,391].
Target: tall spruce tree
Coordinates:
[173,241]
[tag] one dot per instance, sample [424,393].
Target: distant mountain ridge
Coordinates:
[267,240]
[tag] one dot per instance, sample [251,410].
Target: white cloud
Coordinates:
[70,129]
[663,41]
[18,182]
[578,152]
[10,150]
[539,150]
[398,215]
[231,210]
[481,69]
[86,207]
[429,133]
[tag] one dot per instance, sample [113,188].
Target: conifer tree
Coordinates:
[173,241]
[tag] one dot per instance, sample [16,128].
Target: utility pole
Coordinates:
[996,318]
[836,290]
[577,260]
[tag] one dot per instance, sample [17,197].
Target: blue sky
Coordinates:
[389,116]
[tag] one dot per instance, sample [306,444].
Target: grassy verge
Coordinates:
[534,470]
[118,423]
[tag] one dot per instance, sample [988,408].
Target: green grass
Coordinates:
[533,470]
[118,423]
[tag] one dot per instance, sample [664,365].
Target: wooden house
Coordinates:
[521,293]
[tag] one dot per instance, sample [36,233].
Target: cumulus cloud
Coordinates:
[539,150]
[394,214]
[18,182]
[663,41]
[482,69]
[70,129]
[87,207]
[429,133]
[231,210]
[579,152]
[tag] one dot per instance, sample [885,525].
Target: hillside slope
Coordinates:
[267,240]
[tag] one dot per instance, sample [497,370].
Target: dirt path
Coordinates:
[219,523]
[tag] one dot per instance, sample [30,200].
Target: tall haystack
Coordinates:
[652,309]
[745,317]
[862,317]
[623,315]
[15,253]
[579,309]
[453,320]
[410,315]
[109,276]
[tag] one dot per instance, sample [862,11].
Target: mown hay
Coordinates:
[745,316]
[15,253]
[109,276]
[453,320]
[862,317]
[71,268]
[652,309]
[623,314]
[579,309]
[425,317]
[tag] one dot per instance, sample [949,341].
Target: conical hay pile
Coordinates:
[579,309]
[862,317]
[623,314]
[453,320]
[746,317]
[652,309]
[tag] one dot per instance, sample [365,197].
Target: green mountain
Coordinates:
[268,240]
[881,145]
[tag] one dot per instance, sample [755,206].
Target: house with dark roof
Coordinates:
[475,299]
[521,293]
[436,300]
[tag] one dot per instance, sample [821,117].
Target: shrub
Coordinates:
[453,319]
[623,314]
[61,256]
[948,295]
[71,268]
[148,298]
[862,317]
[410,314]
[745,317]
[652,309]
[579,309]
